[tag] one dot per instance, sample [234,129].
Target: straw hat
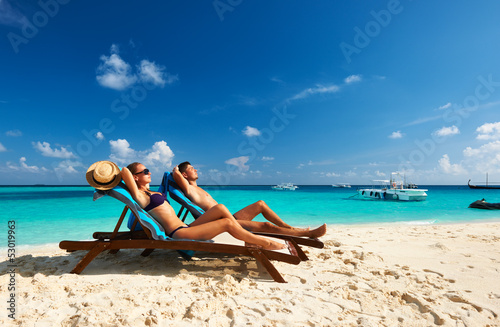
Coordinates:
[103,175]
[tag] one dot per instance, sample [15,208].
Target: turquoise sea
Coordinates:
[49,214]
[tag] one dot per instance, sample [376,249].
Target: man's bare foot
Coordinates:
[318,232]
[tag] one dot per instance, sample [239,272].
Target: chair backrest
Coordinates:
[121,193]
[170,187]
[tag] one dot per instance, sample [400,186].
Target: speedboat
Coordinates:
[482,204]
[342,185]
[394,189]
[285,187]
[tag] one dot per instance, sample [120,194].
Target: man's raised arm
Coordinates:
[181,181]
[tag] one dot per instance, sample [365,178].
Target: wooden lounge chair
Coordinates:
[152,236]
[170,187]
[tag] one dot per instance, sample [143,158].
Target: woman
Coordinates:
[213,222]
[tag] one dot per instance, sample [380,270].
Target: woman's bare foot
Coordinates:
[273,245]
[318,232]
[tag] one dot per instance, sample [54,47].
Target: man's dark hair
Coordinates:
[183,166]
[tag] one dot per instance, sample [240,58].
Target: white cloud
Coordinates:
[251,131]
[486,150]
[121,152]
[352,79]
[2,148]
[446,106]
[248,101]
[23,166]
[99,136]
[14,132]
[267,158]
[239,162]
[447,131]
[396,135]
[277,80]
[160,155]
[117,74]
[67,167]
[332,174]
[489,131]
[319,89]
[448,168]
[149,72]
[10,16]
[380,174]
[46,151]
[423,120]
[114,72]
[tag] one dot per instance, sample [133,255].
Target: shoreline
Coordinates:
[382,274]
[429,222]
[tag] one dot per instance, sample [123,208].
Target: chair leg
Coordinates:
[271,269]
[147,252]
[94,252]
[298,250]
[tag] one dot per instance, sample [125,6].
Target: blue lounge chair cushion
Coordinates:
[170,187]
[121,193]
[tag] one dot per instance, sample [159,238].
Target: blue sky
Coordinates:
[251,92]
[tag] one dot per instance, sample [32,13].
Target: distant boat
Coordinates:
[285,187]
[342,185]
[394,189]
[486,186]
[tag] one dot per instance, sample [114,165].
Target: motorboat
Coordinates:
[285,187]
[482,204]
[394,189]
[342,185]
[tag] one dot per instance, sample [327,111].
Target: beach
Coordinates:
[367,275]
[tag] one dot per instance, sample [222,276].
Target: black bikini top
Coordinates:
[155,200]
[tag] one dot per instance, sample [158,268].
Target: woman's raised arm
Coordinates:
[128,178]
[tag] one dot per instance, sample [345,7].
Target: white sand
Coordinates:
[385,275]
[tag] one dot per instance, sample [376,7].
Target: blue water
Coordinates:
[50,214]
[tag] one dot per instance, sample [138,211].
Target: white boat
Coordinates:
[394,189]
[285,187]
[342,185]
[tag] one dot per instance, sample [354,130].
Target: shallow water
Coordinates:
[51,214]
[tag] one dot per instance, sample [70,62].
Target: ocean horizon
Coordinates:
[45,214]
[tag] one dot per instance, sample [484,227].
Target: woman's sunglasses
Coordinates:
[145,171]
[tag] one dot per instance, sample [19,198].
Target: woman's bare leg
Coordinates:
[211,229]
[216,212]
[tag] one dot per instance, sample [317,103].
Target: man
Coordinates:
[185,175]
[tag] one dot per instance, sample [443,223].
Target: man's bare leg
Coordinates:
[267,227]
[260,207]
